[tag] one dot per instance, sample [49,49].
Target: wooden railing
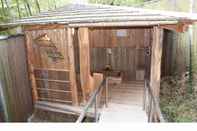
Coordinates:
[95,100]
[151,105]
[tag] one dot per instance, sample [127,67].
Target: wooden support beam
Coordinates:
[72,72]
[30,67]
[180,27]
[98,78]
[43,27]
[124,24]
[84,56]
[156,54]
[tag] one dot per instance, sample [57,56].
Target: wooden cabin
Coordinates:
[98,60]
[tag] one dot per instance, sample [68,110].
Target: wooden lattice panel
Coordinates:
[53,85]
[50,65]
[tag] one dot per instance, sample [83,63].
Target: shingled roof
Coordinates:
[80,14]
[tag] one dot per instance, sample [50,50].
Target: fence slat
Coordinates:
[14,79]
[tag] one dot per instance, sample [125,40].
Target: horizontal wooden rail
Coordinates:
[51,80]
[153,104]
[91,101]
[51,69]
[53,90]
[54,100]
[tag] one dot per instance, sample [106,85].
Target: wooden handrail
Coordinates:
[90,102]
[155,103]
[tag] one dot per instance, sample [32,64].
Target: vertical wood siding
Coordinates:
[179,41]
[39,58]
[14,79]
[51,76]
[127,52]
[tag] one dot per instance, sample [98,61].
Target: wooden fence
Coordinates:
[16,98]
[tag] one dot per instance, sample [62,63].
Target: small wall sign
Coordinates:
[43,41]
[121,33]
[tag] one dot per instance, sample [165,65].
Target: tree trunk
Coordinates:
[55,5]
[28,7]
[3,8]
[38,5]
[7,3]
[26,10]
[18,8]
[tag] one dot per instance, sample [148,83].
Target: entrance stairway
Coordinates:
[125,103]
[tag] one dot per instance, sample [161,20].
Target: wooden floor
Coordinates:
[125,103]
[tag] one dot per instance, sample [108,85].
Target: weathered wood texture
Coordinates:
[175,58]
[178,41]
[122,49]
[38,55]
[156,57]
[77,65]
[108,38]
[84,55]
[52,63]
[14,79]
[72,74]
[167,60]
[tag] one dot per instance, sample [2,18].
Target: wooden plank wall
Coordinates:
[55,85]
[1,112]
[166,65]
[133,37]
[127,52]
[39,58]
[175,53]
[179,41]
[14,79]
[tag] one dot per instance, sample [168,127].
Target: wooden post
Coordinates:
[156,54]
[30,67]
[72,72]
[84,56]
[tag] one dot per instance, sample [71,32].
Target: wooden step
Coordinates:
[125,97]
[125,90]
[126,102]
[126,85]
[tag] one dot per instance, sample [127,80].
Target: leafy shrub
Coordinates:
[176,104]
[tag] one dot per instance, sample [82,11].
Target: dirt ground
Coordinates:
[49,116]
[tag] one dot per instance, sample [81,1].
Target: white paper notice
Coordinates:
[121,33]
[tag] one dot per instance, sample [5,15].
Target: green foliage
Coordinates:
[170,5]
[182,111]
[14,9]
[176,104]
